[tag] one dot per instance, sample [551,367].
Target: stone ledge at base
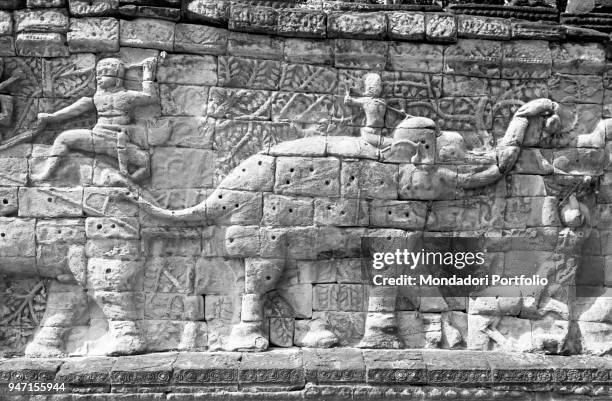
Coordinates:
[318,374]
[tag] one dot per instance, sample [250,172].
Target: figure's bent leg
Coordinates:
[78,139]
[139,158]
[381,326]
[261,276]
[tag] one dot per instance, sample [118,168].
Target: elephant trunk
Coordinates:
[193,213]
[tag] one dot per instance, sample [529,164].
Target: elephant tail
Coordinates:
[193,213]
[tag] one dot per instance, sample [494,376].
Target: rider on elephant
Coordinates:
[6,101]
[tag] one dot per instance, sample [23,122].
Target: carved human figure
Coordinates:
[374,108]
[6,101]
[111,134]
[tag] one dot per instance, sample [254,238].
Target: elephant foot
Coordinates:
[319,336]
[247,336]
[47,342]
[381,332]
[123,338]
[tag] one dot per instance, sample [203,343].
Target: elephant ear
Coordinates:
[77,263]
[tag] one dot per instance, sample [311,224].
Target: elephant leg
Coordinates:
[381,325]
[261,276]
[112,285]
[66,307]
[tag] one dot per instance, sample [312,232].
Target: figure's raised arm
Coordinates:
[149,91]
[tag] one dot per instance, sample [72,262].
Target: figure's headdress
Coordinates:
[111,67]
[373,83]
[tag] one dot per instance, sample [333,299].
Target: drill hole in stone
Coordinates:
[287,182]
[329,207]
[113,226]
[223,208]
[231,240]
[389,212]
[259,163]
[274,237]
[311,169]
[244,170]
[268,278]
[237,205]
[426,146]
[342,213]
[5,201]
[2,235]
[273,207]
[291,170]
[220,196]
[326,182]
[352,178]
[49,200]
[108,270]
[99,226]
[407,214]
[290,210]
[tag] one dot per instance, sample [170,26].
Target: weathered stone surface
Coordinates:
[50,202]
[247,18]
[565,88]
[307,176]
[81,8]
[406,25]
[207,10]
[174,307]
[164,13]
[302,23]
[188,70]
[365,179]
[200,39]
[471,26]
[168,164]
[526,59]
[307,78]
[183,100]
[440,27]
[41,21]
[266,47]
[360,54]
[286,211]
[147,33]
[41,45]
[308,51]
[235,72]
[356,25]
[93,34]
[578,58]
[233,103]
[415,57]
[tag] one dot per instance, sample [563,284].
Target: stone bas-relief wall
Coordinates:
[207,116]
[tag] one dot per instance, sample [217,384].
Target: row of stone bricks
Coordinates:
[106,34]
[294,368]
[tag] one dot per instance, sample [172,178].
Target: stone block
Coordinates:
[111,227]
[578,58]
[596,307]
[7,46]
[89,372]
[580,161]
[41,45]
[242,241]
[304,23]
[341,212]
[307,176]
[169,274]
[147,33]
[457,366]
[171,241]
[477,27]
[281,331]
[281,210]
[252,18]
[188,70]
[368,179]
[334,366]
[217,275]
[531,212]
[526,185]
[370,55]
[50,202]
[207,10]
[406,215]
[15,171]
[306,108]
[113,249]
[254,174]
[95,8]
[404,25]
[190,38]
[73,77]
[236,72]
[261,369]
[348,327]
[399,367]
[190,132]
[526,59]
[60,231]
[254,46]
[595,337]
[239,103]
[308,78]
[167,335]
[50,20]
[101,200]
[204,369]
[510,333]
[183,100]
[356,25]
[536,30]
[308,51]
[416,57]
[17,237]
[168,166]
[566,88]
[6,23]
[224,207]
[427,182]
[8,201]
[469,214]
[320,271]
[149,371]
[93,35]
[115,275]
[440,27]
[174,307]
